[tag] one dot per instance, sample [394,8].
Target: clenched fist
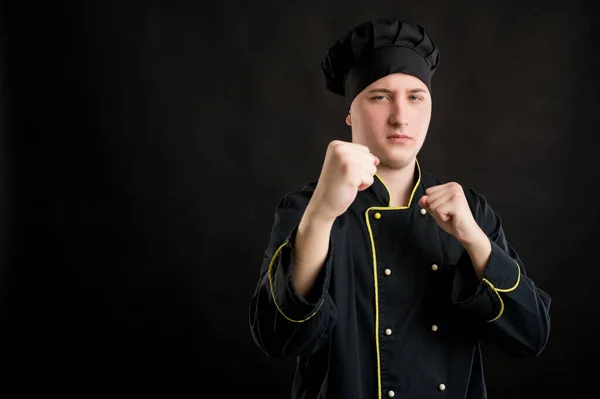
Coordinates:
[448,205]
[348,168]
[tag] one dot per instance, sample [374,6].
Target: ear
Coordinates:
[348,119]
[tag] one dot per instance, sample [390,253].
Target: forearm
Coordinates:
[514,311]
[491,286]
[311,247]
[284,323]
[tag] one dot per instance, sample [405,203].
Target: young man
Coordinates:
[381,280]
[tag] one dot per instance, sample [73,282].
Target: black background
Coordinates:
[145,145]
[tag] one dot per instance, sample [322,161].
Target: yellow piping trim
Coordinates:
[501,301]
[514,287]
[499,290]
[376,303]
[275,255]
[375,281]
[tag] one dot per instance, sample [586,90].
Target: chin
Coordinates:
[397,163]
[397,159]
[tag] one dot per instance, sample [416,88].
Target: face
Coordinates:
[391,117]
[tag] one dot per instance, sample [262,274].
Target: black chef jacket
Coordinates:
[397,310]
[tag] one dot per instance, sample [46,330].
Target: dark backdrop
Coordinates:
[146,143]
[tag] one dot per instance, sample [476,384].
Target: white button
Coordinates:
[423,211]
[442,387]
[434,328]
[388,331]
[387,272]
[434,267]
[391,394]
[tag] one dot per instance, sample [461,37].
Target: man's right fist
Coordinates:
[347,169]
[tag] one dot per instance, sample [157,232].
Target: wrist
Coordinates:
[479,249]
[475,240]
[314,215]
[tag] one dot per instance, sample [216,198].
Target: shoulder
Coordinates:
[299,198]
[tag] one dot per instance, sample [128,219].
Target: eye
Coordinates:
[414,97]
[378,98]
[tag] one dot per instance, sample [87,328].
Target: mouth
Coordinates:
[399,138]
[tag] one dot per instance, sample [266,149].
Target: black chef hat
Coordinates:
[374,49]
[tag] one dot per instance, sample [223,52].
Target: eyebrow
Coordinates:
[417,90]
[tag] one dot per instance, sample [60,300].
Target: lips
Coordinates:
[399,136]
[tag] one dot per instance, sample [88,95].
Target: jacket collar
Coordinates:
[383,197]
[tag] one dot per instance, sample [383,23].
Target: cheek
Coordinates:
[423,120]
[375,119]
[370,122]
[365,121]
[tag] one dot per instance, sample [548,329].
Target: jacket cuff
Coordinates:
[293,306]
[482,298]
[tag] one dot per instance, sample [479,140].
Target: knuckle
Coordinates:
[335,145]
[338,150]
[346,167]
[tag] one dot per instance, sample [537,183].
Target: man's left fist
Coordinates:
[447,204]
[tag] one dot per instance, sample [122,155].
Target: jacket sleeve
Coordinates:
[282,322]
[511,310]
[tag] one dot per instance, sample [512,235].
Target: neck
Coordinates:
[399,182]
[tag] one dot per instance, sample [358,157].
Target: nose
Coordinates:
[398,113]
